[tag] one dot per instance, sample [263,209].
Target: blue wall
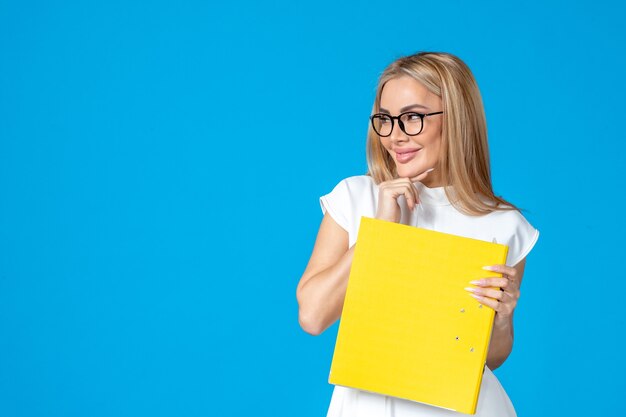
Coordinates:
[160,168]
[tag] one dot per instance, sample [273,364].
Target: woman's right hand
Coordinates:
[389,191]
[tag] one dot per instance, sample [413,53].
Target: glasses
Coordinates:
[410,122]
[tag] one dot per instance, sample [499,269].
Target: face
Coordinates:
[404,94]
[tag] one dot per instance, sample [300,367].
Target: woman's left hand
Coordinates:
[502,300]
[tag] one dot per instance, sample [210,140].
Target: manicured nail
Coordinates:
[488,268]
[476,296]
[476,282]
[470,289]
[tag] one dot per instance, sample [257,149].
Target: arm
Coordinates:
[501,343]
[322,288]
[323,285]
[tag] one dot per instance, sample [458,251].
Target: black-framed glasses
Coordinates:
[410,122]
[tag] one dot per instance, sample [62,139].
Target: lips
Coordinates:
[405,155]
[405,150]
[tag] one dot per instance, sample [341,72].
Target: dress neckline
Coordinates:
[435,196]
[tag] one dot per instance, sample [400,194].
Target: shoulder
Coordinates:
[347,199]
[516,231]
[510,220]
[352,191]
[359,183]
[355,185]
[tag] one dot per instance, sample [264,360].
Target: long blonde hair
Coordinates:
[464,156]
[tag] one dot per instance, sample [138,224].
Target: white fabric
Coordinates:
[492,402]
[357,196]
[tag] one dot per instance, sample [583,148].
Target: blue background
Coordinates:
[160,169]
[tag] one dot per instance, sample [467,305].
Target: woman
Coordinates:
[428,166]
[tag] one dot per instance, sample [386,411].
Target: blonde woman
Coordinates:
[428,166]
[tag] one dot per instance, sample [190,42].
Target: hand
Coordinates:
[502,300]
[389,191]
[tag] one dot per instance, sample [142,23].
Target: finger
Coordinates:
[409,192]
[411,187]
[487,292]
[503,269]
[489,302]
[413,191]
[493,282]
[504,307]
[411,201]
[421,176]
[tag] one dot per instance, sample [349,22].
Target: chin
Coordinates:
[408,171]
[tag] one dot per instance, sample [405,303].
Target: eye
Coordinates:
[382,119]
[413,117]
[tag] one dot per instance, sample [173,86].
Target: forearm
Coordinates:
[321,297]
[501,343]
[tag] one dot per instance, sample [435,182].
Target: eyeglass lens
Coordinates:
[412,124]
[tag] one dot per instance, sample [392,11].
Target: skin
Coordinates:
[397,95]
[321,290]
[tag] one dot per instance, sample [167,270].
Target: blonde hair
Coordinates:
[464,156]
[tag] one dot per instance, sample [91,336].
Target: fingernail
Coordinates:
[488,268]
[476,282]
[476,296]
[470,289]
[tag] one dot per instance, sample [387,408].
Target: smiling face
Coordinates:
[404,94]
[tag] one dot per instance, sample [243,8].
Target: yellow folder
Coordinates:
[408,328]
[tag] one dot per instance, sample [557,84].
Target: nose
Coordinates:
[397,133]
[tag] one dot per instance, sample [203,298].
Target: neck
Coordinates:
[433,181]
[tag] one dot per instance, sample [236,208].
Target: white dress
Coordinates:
[357,196]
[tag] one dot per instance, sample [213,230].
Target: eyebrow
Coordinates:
[403,109]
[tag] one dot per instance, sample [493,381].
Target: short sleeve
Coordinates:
[522,240]
[337,203]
